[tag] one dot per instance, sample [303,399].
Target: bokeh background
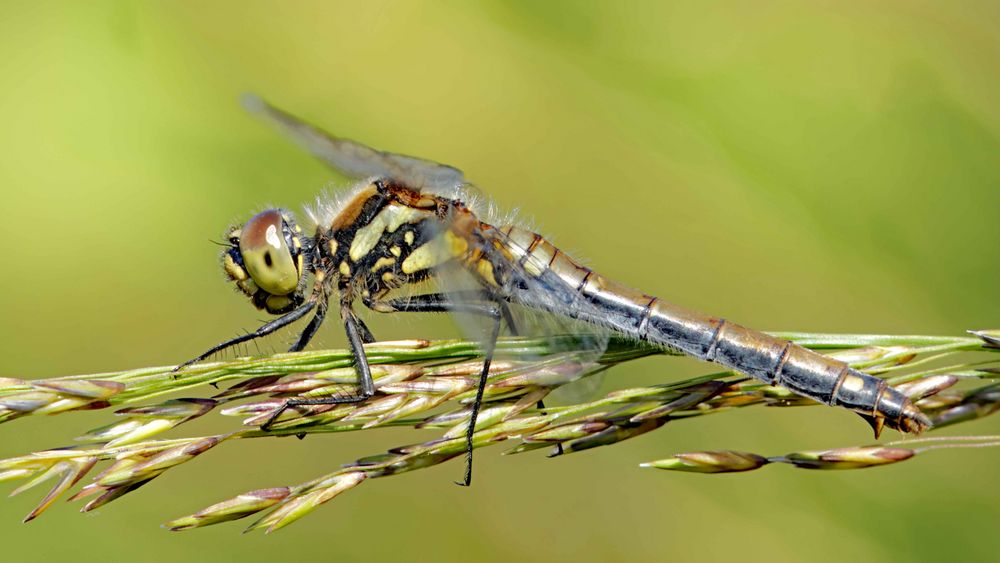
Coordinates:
[822,166]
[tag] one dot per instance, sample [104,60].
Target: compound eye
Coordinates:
[266,255]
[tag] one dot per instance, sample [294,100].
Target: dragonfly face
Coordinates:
[265,258]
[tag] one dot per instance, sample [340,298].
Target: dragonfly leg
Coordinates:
[365,381]
[478,403]
[512,328]
[366,335]
[472,301]
[264,330]
[508,318]
[310,329]
[540,405]
[438,303]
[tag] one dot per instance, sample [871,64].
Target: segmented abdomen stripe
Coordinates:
[644,323]
[772,360]
[716,336]
[780,366]
[529,252]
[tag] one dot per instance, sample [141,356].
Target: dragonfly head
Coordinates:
[265,259]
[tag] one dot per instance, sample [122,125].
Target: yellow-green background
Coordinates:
[827,166]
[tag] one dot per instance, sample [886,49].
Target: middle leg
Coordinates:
[355,341]
[438,303]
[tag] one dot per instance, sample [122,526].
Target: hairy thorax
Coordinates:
[389,236]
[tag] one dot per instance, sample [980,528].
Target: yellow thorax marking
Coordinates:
[389,219]
[485,270]
[382,262]
[438,250]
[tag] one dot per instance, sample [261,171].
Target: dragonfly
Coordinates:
[410,220]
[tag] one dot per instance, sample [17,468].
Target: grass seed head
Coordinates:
[722,461]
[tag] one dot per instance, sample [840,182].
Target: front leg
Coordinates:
[365,382]
[311,328]
[264,330]
[469,301]
[366,335]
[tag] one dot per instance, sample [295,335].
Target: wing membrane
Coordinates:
[354,159]
[549,312]
[576,374]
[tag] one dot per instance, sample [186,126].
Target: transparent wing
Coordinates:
[570,368]
[354,159]
[543,311]
[575,374]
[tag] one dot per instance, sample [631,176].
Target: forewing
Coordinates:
[354,159]
[574,346]
[550,309]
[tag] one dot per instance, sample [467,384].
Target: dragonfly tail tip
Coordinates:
[876,422]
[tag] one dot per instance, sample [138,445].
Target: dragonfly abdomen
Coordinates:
[574,290]
[782,363]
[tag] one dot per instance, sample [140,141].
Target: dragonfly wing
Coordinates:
[545,312]
[573,346]
[354,159]
[578,346]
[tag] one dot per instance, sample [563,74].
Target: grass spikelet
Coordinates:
[429,385]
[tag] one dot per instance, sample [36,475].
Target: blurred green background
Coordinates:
[797,166]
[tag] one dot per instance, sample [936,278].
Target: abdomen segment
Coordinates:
[573,290]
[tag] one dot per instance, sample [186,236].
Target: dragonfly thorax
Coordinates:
[390,235]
